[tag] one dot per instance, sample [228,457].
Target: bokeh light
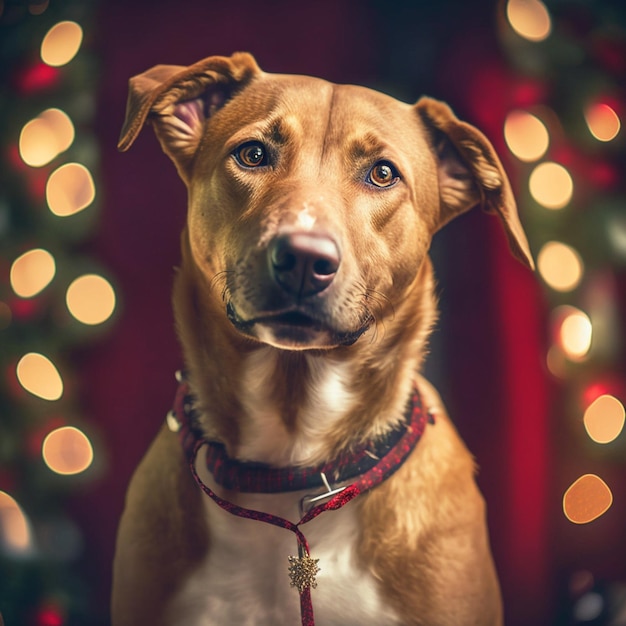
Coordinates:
[604,419]
[32,272]
[560,266]
[15,533]
[586,499]
[38,375]
[91,299]
[61,125]
[529,19]
[575,332]
[603,122]
[67,451]
[526,135]
[70,189]
[61,43]
[50,613]
[45,137]
[556,362]
[37,143]
[551,185]
[37,8]
[588,608]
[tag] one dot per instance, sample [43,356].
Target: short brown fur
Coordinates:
[422,533]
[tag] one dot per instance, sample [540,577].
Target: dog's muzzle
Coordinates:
[293,293]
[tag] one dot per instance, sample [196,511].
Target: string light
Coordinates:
[91,299]
[586,499]
[529,19]
[70,189]
[560,266]
[603,122]
[575,332]
[45,137]
[604,419]
[551,185]
[37,143]
[15,530]
[32,272]
[526,135]
[61,43]
[67,451]
[39,376]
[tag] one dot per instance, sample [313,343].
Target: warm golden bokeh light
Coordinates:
[45,137]
[32,272]
[575,333]
[37,143]
[61,125]
[14,527]
[603,122]
[560,266]
[70,189]
[529,19]
[551,185]
[61,43]
[525,135]
[38,375]
[67,451]
[587,498]
[604,419]
[91,299]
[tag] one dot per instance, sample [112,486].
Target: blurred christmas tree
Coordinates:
[563,123]
[52,299]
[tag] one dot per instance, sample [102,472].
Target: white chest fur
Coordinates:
[244,580]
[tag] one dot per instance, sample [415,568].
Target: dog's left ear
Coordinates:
[470,173]
[177,100]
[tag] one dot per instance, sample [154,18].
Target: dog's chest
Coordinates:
[244,579]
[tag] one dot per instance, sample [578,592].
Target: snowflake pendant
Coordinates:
[302,571]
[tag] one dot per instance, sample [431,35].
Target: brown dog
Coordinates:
[303,304]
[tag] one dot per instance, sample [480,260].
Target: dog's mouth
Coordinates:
[294,329]
[291,318]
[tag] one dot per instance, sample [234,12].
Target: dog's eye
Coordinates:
[251,154]
[383,174]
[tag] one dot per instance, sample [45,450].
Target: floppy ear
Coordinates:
[177,100]
[470,173]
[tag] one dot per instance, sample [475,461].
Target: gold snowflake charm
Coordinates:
[302,571]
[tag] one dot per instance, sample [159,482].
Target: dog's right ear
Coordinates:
[177,100]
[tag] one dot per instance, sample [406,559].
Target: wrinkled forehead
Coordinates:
[304,106]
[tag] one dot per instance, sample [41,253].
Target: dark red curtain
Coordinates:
[488,350]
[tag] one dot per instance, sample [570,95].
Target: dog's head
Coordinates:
[312,205]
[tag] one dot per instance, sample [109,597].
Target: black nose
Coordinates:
[303,264]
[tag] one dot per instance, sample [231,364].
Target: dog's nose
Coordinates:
[303,264]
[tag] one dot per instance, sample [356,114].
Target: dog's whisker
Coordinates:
[381,300]
[221,277]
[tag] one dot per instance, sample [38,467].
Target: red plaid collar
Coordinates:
[365,468]
[250,477]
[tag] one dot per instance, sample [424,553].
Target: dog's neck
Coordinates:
[300,407]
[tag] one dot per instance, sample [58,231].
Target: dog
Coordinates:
[303,303]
